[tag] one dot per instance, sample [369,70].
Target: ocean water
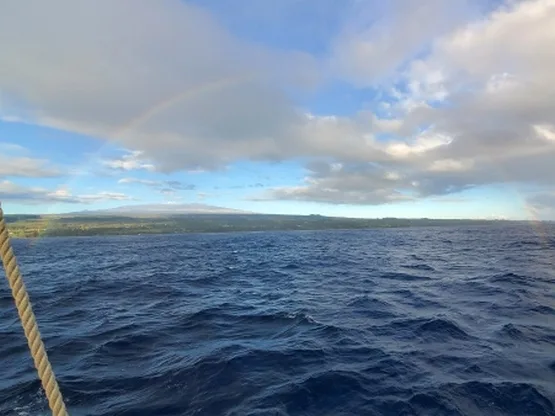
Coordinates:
[421,321]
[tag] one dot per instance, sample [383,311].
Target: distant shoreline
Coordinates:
[32,226]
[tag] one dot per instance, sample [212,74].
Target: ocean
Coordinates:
[414,321]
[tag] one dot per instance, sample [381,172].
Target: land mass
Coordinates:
[197,218]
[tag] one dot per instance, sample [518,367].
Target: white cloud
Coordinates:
[158,77]
[59,193]
[450,165]
[381,39]
[472,104]
[165,187]
[104,196]
[13,192]
[26,167]
[131,161]
[392,176]
[497,80]
[141,181]
[421,144]
[514,40]
[11,148]
[545,131]
[353,184]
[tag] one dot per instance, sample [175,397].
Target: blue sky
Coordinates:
[347,108]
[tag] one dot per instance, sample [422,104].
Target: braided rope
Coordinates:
[29,323]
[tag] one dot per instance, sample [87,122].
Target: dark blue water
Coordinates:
[436,321]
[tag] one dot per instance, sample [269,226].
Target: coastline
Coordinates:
[69,226]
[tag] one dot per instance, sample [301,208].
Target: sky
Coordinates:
[359,108]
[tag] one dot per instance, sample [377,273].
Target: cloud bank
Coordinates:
[466,96]
[12,192]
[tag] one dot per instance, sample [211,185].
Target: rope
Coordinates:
[29,323]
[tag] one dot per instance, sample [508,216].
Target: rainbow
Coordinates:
[190,93]
[148,114]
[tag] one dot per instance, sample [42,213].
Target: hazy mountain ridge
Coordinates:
[161,209]
[199,219]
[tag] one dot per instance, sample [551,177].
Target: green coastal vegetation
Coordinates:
[23,226]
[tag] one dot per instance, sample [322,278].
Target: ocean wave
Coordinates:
[407,277]
[529,333]
[419,266]
[428,329]
[496,399]
[511,278]
[288,323]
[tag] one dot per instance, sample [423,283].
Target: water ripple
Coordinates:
[429,321]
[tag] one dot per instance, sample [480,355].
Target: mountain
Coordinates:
[165,209]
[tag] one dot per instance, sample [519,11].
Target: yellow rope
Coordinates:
[29,323]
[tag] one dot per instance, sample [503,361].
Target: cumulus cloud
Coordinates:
[369,184]
[159,77]
[381,38]
[165,81]
[12,192]
[478,109]
[352,184]
[133,160]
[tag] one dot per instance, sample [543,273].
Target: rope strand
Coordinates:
[29,323]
